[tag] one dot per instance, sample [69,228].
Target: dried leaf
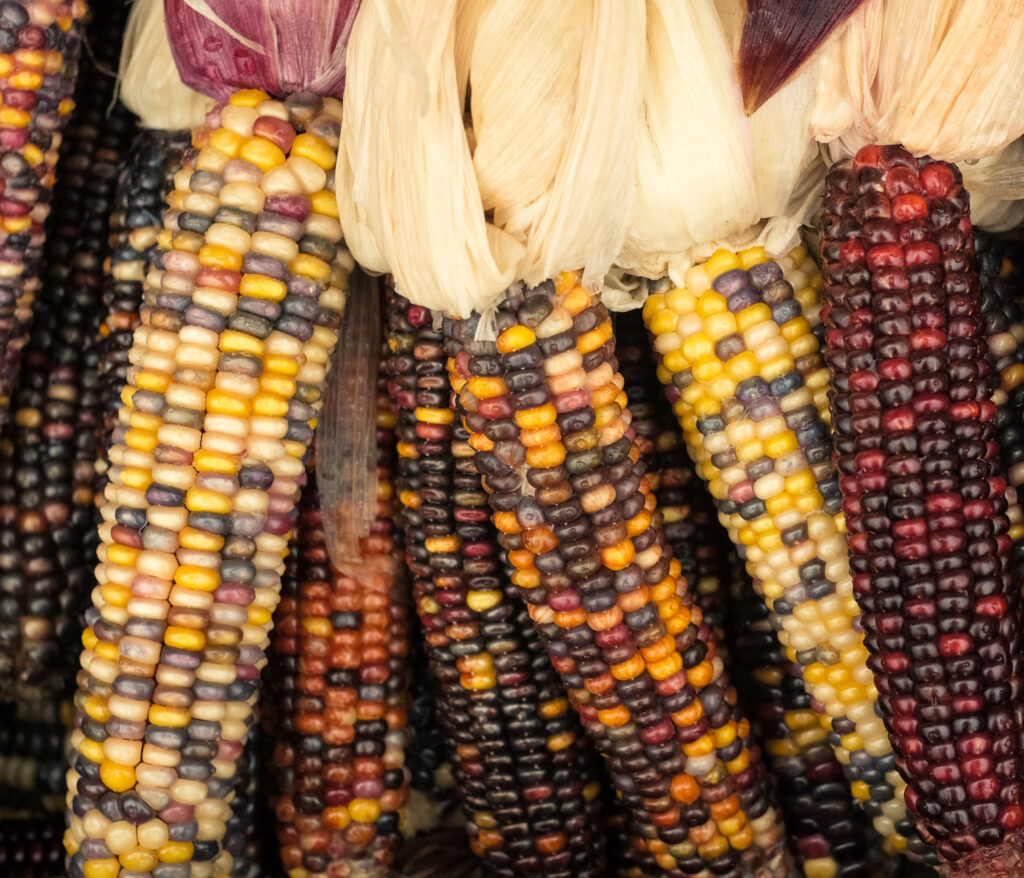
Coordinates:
[778,38]
[407,195]
[280,46]
[346,437]
[149,82]
[934,75]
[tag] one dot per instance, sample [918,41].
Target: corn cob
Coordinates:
[48,512]
[1003,322]
[741,364]
[823,827]
[342,780]
[524,775]
[30,849]
[146,178]
[688,513]
[39,42]
[924,496]
[240,315]
[32,763]
[545,402]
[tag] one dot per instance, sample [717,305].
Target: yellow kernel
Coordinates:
[306,265]
[184,638]
[259,616]
[259,286]
[364,810]
[486,388]
[123,556]
[261,152]
[190,538]
[480,601]
[216,256]
[248,97]
[748,317]
[269,405]
[12,118]
[226,141]
[175,852]
[116,595]
[158,382]
[720,262]
[234,342]
[324,203]
[172,717]
[515,338]
[434,416]
[139,859]
[441,545]
[108,868]
[205,500]
[118,778]
[221,403]
[196,577]
[314,148]
[206,461]
[561,741]
[542,416]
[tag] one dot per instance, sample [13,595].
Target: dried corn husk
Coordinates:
[709,176]
[149,82]
[281,46]
[407,194]
[942,77]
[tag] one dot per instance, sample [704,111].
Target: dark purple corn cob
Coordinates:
[47,515]
[524,773]
[925,497]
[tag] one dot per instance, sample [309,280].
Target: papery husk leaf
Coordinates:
[556,108]
[407,194]
[148,79]
[942,77]
[778,38]
[708,175]
[281,46]
[347,430]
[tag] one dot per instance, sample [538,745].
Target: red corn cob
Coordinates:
[924,497]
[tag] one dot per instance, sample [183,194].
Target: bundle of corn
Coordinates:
[824,829]
[32,756]
[740,359]
[30,849]
[548,420]
[48,453]
[240,317]
[40,41]
[340,716]
[925,497]
[145,179]
[524,775]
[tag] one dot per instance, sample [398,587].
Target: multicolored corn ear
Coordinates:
[525,777]
[549,423]
[341,737]
[825,830]
[32,764]
[47,453]
[146,176]
[742,367]
[240,316]
[925,497]
[39,47]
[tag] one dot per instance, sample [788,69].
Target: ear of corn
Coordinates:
[548,420]
[740,359]
[227,370]
[40,42]
[341,714]
[924,496]
[524,773]
[48,513]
